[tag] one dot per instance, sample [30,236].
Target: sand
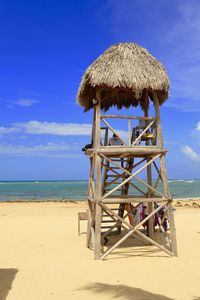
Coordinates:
[42,257]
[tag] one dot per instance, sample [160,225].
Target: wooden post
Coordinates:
[90,206]
[165,178]
[90,229]
[158,121]
[172,229]
[97,242]
[149,173]
[129,132]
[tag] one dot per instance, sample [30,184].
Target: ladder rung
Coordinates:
[113,232]
[114,209]
[105,227]
[117,182]
[119,159]
[114,168]
[108,215]
[108,221]
[111,190]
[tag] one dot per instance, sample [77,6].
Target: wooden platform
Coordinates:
[128,151]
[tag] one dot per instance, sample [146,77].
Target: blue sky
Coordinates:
[46,47]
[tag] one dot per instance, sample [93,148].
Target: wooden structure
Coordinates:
[121,183]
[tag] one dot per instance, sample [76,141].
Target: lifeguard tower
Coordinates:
[128,193]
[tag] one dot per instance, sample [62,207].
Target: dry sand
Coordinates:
[42,257]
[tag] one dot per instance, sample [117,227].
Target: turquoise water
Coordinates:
[42,190]
[76,190]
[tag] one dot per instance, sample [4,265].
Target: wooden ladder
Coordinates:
[110,177]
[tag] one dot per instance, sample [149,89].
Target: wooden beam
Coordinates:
[136,151]
[121,176]
[114,181]
[90,226]
[93,125]
[130,177]
[172,230]
[127,117]
[149,186]
[98,217]
[149,172]
[161,247]
[112,227]
[91,198]
[129,131]
[157,182]
[159,175]
[137,188]
[106,137]
[137,164]
[165,178]
[128,224]
[129,173]
[158,121]
[132,230]
[91,178]
[135,199]
[115,164]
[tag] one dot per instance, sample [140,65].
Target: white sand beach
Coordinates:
[42,258]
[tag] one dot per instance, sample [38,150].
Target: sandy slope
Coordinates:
[42,258]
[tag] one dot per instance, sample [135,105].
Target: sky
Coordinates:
[45,48]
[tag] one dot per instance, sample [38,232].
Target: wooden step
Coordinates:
[106,227]
[108,221]
[120,189]
[110,182]
[119,159]
[114,209]
[112,167]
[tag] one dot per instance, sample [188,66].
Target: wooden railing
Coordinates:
[143,132]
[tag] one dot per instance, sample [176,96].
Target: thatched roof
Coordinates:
[123,72]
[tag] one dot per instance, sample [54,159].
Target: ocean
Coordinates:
[76,190]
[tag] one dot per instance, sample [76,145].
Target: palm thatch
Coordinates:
[123,73]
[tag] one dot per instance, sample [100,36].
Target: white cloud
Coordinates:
[45,150]
[52,128]
[25,102]
[198,126]
[190,153]
[9,130]
[48,128]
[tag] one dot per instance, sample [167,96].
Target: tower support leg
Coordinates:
[90,225]
[170,209]
[150,221]
[172,230]
[150,204]
[98,210]
[97,242]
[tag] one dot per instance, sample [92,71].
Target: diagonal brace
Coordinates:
[130,177]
